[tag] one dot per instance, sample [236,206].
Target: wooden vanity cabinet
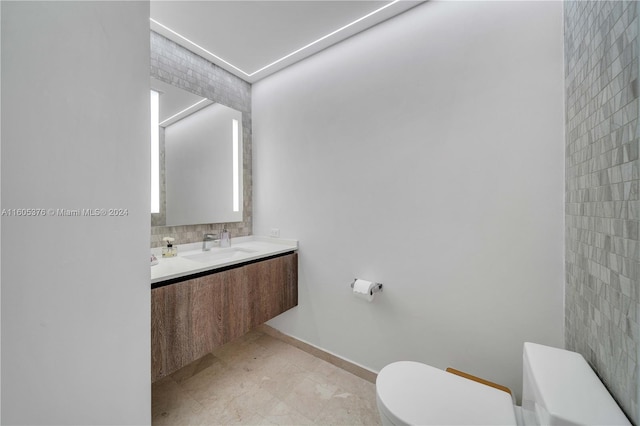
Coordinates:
[191,318]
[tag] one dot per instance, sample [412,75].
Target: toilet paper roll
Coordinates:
[363,289]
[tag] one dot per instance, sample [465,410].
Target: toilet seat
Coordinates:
[417,394]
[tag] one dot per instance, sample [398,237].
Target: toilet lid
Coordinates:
[418,394]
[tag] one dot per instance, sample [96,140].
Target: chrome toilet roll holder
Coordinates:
[377,287]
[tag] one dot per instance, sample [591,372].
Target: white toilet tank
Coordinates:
[559,388]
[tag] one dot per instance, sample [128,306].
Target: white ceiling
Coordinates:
[247,37]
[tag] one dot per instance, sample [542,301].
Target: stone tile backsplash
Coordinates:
[602,249]
[180,67]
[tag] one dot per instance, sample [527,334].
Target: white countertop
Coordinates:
[192,260]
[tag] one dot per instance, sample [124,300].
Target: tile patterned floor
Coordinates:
[260,380]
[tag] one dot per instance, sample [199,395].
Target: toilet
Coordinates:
[559,388]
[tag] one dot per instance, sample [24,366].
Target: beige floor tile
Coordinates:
[322,371]
[231,413]
[302,359]
[273,345]
[280,383]
[272,364]
[195,367]
[182,419]
[310,397]
[349,409]
[258,400]
[351,383]
[325,368]
[211,387]
[250,336]
[270,342]
[259,362]
[260,380]
[171,405]
[238,406]
[240,352]
[283,414]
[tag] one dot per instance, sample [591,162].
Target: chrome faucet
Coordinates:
[209,238]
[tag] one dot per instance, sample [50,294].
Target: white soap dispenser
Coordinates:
[225,238]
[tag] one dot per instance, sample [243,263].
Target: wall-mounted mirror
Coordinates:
[197,166]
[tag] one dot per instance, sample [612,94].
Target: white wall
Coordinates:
[0,217]
[75,290]
[426,154]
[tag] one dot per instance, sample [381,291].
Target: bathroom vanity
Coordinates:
[203,299]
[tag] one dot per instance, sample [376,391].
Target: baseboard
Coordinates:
[349,366]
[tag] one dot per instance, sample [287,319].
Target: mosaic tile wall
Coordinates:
[602,318]
[178,66]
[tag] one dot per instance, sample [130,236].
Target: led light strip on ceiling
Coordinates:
[183,111]
[285,56]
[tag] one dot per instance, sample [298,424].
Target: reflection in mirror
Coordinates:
[199,159]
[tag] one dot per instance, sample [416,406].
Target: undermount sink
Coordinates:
[218,254]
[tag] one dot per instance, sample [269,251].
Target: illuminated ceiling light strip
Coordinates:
[198,46]
[184,110]
[286,56]
[324,37]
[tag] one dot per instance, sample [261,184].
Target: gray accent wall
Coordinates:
[180,67]
[602,207]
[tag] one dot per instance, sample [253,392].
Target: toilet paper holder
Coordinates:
[377,287]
